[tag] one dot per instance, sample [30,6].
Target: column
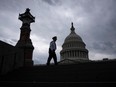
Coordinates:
[82,55]
[62,55]
[79,53]
[70,53]
[74,53]
[66,54]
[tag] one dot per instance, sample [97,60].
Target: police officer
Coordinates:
[52,50]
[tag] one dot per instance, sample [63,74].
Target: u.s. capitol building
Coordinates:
[73,49]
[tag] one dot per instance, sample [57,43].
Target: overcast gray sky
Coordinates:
[94,21]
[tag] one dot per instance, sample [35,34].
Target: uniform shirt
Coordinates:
[52,45]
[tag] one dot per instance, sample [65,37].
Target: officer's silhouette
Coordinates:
[52,50]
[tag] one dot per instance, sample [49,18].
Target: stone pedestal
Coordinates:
[25,42]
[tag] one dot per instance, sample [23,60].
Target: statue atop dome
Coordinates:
[72,27]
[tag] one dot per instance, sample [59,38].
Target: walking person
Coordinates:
[52,50]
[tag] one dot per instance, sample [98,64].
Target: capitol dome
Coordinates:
[73,48]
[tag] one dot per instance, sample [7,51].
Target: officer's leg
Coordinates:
[55,58]
[49,59]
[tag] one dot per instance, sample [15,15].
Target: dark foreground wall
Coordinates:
[102,71]
[81,75]
[10,57]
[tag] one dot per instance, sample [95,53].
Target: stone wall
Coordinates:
[10,57]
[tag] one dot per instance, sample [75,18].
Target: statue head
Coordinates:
[27,10]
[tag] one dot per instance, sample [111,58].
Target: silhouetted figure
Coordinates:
[52,50]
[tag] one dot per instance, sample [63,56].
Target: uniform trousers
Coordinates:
[52,54]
